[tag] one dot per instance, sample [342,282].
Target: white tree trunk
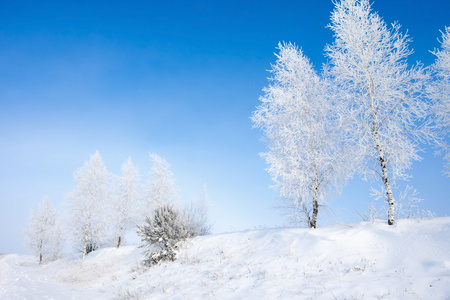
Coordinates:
[86,236]
[86,226]
[381,157]
[315,203]
[122,224]
[40,253]
[385,178]
[313,223]
[122,220]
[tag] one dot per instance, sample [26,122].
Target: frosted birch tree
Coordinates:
[161,189]
[88,208]
[44,238]
[304,135]
[369,62]
[128,199]
[440,93]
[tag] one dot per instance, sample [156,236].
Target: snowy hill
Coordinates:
[410,260]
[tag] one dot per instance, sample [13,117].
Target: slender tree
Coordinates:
[88,209]
[45,235]
[304,135]
[440,93]
[128,207]
[161,188]
[385,95]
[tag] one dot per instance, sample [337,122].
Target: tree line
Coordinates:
[104,206]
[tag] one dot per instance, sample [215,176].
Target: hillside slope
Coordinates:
[410,260]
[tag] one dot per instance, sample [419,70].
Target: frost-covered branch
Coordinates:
[440,93]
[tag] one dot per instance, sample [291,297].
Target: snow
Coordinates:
[410,260]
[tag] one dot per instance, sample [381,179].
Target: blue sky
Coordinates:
[177,78]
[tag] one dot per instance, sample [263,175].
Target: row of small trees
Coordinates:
[368,111]
[104,206]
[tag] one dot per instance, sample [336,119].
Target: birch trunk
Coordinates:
[315,203]
[385,178]
[315,212]
[122,219]
[381,156]
[86,226]
[40,250]
[121,230]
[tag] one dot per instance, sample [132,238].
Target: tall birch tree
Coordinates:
[161,189]
[304,134]
[128,199]
[88,208]
[369,62]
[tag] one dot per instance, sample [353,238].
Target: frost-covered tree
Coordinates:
[128,198]
[161,189]
[304,133]
[440,92]
[163,231]
[44,238]
[369,62]
[88,209]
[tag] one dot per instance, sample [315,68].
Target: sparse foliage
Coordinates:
[385,95]
[45,235]
[407,206]
[195,216]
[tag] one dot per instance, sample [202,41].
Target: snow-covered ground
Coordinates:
[410,260]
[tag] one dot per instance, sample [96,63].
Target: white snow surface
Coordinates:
[410,260]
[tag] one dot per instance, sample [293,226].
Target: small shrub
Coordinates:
[91,247]
[162,232]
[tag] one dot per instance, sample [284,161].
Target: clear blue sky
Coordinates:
[178,78]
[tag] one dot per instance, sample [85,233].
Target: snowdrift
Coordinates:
[410,260]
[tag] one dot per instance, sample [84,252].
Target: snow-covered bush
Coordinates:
[161,234]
